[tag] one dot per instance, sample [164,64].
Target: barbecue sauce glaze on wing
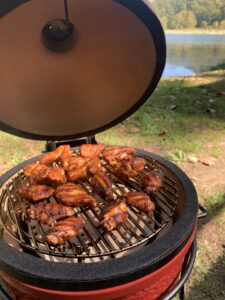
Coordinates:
[114,155]
[35,172]
[35,192]
[141,201]
[90,151]
[90,167]
[115,215]
[102,185]
[130,168]
[64,231]
[49,213]
[74,195]
[55,155]
[153,181]
[55,176]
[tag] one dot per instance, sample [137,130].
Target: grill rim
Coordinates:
[84,277]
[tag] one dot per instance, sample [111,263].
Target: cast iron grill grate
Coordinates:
[94,243]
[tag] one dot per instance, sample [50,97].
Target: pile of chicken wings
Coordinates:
[58,173]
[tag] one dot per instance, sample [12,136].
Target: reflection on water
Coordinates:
[189,54]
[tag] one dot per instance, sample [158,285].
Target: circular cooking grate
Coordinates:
[94,243]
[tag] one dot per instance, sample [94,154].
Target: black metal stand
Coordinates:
[185,273]
[51,145]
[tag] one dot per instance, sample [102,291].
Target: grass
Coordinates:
[186,112]
[208,275]
[15,150]
[219,67]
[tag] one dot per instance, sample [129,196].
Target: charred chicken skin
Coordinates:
[36,172]
[74,195]
[90,151]
[114,155]
[141,201]
[131,168]
[54,155]
[36,192]
[115,216]
[90,167]
[49,213]
[102,185]
[153,181]
[64,231]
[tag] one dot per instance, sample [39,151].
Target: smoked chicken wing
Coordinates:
[65,157]
[115,216]
[141,201]
[116,154]
[49,213]
[54,155]
[76,162]
[102,185]
[55,176]
[131,168]
[35,192]
[153,181]
[74,195]
[88,150]
[64,230]
[91,166]
[35,172]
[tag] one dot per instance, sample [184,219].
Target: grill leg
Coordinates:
[181,293]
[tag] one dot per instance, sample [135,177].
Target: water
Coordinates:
[189,54]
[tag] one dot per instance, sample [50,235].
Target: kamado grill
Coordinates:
[73,69]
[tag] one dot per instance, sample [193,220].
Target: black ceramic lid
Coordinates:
[111,64]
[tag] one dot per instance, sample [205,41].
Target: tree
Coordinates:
[203,12]
[164,22]
[222,24]
[215,25]
[204,24]
[185,19]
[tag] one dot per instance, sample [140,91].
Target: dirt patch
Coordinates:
[207,179]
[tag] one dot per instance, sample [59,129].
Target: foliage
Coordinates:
[178,14]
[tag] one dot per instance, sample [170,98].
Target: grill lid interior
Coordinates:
[113,68]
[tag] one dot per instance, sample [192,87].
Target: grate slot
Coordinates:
[14,215]
[98,232]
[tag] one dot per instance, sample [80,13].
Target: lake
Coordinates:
[189,54]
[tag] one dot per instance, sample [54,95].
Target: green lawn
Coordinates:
[182,115]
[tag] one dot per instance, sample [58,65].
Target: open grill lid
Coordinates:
[105,64]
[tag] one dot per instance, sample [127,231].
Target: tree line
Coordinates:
[178,14]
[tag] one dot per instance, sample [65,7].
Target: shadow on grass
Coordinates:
[187,98]
[213,284]
[214,206]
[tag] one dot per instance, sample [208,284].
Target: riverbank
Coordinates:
[195,31]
